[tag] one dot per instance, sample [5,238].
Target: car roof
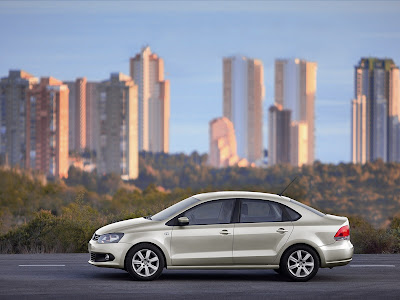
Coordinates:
[239,194]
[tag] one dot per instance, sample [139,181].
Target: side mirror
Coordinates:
[183,221]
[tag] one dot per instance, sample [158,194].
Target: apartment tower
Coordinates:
[77,114]
[92,116]
[376,111]
[222,143]
[13,95]
[47,128]
[295,87]
[279,127]
[243,92]
[118,112]
[147,71]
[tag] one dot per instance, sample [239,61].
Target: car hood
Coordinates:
[121,226]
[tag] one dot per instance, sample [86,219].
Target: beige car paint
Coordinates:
[246,245]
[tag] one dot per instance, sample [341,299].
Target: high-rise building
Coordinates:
[299,143]
[279,127]
[295,87]
[13,95]
[243,92]
[147,71]
[92,116]
[47,128]
[77,114]
[375,111]
[222,143]
[118,112]
[359,130]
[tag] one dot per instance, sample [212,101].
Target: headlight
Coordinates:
[110,238]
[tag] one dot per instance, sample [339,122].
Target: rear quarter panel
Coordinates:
[313,230]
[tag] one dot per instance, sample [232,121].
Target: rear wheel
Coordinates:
[144,262]
[300,263]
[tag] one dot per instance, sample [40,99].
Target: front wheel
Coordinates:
[144,262]
[300,263]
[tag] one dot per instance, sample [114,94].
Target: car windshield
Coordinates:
[172,210]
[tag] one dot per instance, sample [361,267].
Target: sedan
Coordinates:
[226,230]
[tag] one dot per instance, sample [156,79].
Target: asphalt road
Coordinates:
[69,276]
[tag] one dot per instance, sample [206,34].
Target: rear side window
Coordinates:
[293,215]
[257,211]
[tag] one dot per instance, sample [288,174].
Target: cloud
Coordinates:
[332,103]
[381,35]
[129,7]
[333,129]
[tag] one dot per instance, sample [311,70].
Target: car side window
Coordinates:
[293,215]
[212,212]
[257,211]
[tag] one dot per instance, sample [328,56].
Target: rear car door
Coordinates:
[261,232]
[208,239]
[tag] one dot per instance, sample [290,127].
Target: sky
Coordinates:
[69,39]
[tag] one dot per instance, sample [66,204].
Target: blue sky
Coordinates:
[69,39]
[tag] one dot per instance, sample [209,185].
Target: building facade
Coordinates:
[147,71]
[13,95]
[375,111]
[295,88]
[47,128]
[279,132]
[77,114]
[222,143]
[299,143]
[92,116]
[243,93]
[118,112]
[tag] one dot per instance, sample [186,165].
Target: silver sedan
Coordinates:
[226,230]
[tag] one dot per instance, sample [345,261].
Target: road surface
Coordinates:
[69,276]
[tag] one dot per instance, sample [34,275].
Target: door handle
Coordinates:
[224,232]
[282,230]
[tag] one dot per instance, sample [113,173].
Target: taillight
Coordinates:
[343,233]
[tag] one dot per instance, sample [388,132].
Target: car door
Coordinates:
[260,233]
[208,238]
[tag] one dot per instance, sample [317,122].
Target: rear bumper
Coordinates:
[337,254]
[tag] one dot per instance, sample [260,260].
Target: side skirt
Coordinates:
[224,267]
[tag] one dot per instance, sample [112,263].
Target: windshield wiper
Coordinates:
[148,217]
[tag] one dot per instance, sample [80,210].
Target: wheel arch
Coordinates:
[148,243]
[315,248]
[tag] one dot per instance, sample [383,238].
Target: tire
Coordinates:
[300,263]
[144,262]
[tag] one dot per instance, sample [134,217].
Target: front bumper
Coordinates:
[118,250]
[339,253]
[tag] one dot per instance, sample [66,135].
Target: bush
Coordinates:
[367,239]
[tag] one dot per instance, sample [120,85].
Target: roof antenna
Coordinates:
[287,187]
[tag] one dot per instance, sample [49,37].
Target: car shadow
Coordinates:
[203,275]
[199,275]
[216,275]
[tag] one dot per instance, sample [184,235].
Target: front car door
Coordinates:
[208,238]
[261,232]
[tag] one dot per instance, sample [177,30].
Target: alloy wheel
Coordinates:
[300,263]
[145,262]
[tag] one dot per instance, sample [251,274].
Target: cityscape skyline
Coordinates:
[193,52]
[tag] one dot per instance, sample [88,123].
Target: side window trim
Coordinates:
[236,212]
